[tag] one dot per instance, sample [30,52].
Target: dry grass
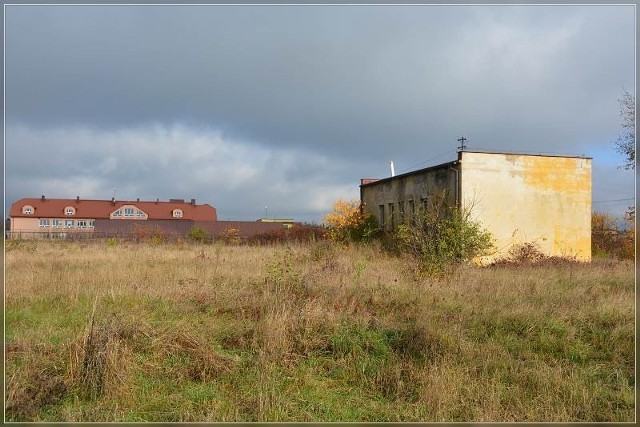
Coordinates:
[310,333]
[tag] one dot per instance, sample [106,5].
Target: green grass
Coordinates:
[310,333]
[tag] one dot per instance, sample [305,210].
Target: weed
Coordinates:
[442,237]
[311,332]
[29,246]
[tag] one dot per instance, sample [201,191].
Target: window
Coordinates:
[92,223]
[382,216]
[392,212]
[68,223]
[424,203]
[412,212]
[401,211]
[81,223]
[177,213]
[128,211]
[44,223]
[69,210]
[57,223]
[27,210]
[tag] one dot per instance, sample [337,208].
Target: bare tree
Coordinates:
[626,143]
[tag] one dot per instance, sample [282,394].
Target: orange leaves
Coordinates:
[346,221]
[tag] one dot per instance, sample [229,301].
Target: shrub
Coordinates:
[526,252]
[197,234]
[231,236]
[141,232]
[348,223]
[296,234]
[530,254]
[441,237]
[609,239]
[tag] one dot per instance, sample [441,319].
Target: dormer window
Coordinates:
[69,210]
[177,213]
[128,212]
[27,210]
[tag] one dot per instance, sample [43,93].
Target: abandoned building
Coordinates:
[519,198]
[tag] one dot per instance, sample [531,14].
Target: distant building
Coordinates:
[79,218]
[287,223]
[33,217]
[519,198]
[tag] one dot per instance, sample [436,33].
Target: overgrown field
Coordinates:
[318,332]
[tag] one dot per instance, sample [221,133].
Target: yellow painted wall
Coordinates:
[525,198]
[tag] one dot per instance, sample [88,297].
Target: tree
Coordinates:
[626,143]
[347,223]
[609,239]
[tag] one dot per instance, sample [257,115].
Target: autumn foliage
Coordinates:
[347,223]
[609,239]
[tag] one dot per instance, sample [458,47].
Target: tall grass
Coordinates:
[317,332]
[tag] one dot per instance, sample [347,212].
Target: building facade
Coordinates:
[33,217]
[519,198]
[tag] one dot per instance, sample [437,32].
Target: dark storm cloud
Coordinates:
[339,91]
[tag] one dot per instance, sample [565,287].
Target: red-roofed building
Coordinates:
[33,215]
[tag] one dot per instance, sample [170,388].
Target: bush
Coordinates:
[608,239]
[197,234]
[232,236]
[441,237]
[348,223]
[296,234]
[530,254]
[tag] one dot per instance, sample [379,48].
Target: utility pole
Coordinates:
[461,140]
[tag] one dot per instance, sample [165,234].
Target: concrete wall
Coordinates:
[527,198]
[403,191]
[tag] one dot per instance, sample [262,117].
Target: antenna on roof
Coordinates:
[114,193]
[461,140]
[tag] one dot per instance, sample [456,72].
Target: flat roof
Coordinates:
[475,150]
[516,153]
[389,178]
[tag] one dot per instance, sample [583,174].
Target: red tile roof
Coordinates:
[101,209]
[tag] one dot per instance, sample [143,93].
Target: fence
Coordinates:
[70,235]
[252,233]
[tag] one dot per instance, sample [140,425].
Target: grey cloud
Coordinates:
[149,162]
[340,89]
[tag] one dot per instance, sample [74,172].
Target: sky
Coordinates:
[278,111]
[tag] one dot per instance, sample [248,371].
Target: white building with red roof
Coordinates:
[42,215]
